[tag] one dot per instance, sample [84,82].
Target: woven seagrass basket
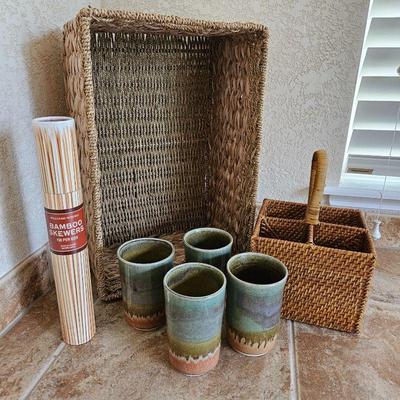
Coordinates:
[329,254]
[168,114]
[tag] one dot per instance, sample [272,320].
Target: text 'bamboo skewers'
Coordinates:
[58,160]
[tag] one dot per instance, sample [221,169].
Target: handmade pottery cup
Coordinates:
[143,264]
[254,299]
[208,245]
[194,304]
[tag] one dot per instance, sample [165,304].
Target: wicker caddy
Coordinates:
[329,254]
[168,114]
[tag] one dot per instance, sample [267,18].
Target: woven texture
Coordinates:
[168,114]
[328,281]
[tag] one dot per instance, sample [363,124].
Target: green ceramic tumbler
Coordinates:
[254,299]
[143,264]
[194,305]
[208,245]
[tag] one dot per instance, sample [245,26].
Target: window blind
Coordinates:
[372,158]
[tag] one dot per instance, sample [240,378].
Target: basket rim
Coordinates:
[261,216]
[264,204]
[371,254]
[206,28]
[324,206]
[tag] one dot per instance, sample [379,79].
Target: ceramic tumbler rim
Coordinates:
[195,298]
[55,120]
[125,244]
[210,229]
[260,255]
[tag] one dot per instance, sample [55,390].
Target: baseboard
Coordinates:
[23,284]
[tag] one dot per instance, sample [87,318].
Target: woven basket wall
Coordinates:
[168,114]
[328,281]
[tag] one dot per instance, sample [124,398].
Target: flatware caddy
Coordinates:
[329,254]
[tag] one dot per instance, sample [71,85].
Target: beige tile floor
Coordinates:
[119,363]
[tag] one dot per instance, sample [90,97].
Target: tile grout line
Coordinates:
[294,390]
[56,353]
[21,314]
[15,321]
[50,361]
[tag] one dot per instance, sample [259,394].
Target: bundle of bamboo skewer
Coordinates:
[59,166]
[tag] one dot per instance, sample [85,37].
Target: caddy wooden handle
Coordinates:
[58,160]
[319,167]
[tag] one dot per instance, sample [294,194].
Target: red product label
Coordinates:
[66,230]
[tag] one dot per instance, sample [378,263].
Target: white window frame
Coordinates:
[359,190]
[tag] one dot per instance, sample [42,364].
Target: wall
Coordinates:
[313,59]
[312,65]
[31,84]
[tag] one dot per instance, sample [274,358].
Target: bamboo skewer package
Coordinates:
[59,166]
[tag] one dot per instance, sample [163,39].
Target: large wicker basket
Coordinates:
[168,114]
[330,266]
